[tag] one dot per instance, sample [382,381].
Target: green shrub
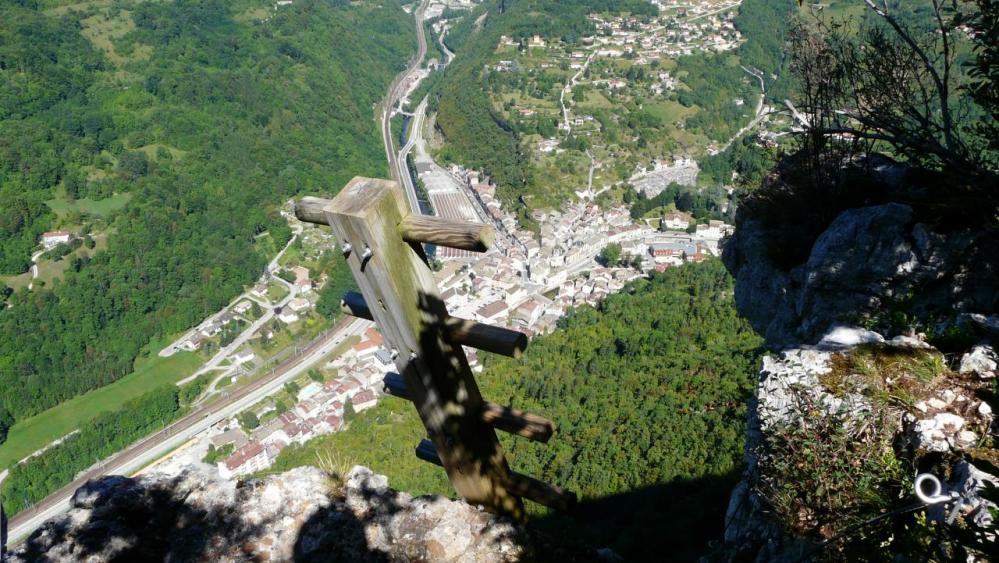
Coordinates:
[825,474]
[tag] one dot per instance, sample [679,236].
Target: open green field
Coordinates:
[595,100]
[671,111]
[99,207]
[49,270]
[34,433]
[16,281]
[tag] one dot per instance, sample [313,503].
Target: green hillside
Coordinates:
[198,117]
[496,102]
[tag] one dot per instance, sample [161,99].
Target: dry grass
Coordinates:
[887,375]
[337,465]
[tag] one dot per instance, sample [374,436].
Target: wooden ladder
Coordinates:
[382,242]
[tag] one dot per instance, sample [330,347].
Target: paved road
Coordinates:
[760,112]
[396,91]
[405,178]
[153,447]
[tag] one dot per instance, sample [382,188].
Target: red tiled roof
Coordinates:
[240,456]
[363,397]
[492,309]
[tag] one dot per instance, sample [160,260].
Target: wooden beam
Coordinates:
[464,235]
[427,452]
[478,335]
[427,229]
[312,210]
[405,302]
[507,419]
[540,492]
[521,423]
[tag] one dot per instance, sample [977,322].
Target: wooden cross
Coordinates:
[382,243]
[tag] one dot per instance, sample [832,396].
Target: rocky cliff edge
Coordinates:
[300,515]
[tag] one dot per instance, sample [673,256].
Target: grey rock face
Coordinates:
[295,516]
[867,258]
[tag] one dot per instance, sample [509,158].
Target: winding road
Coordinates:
[397,90]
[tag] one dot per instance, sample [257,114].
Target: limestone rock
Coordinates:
[294,516]
[981,360]
[844,337]
[942,433]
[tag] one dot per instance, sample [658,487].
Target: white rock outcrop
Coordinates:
[982,360]
[294,516]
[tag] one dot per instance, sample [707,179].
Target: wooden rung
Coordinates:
[312,210]
[540,492]
[353,304]
[481,336]
[517,422]
[427,452]
[464,235]
[396,386]
[490,338]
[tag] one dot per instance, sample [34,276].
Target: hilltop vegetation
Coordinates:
[207,114]
[493,117]
[649,395]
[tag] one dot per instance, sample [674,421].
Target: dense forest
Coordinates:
[648,392]
[209,114]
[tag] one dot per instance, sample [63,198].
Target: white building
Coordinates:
[52,239]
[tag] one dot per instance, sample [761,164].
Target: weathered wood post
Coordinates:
[381,242]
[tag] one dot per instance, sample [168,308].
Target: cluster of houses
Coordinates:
[319,409]
[677,31]
[528,281]
[214,325]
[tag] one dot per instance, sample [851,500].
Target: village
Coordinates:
[614,108]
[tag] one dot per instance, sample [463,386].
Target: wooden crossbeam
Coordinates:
[441,231]
[426,451]
[396,386]
[521,423]
[477,335]
[541,492]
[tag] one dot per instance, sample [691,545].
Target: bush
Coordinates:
[216,455]
[248,420]
[826,476]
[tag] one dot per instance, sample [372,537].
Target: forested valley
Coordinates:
[204,115]
[649,393]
